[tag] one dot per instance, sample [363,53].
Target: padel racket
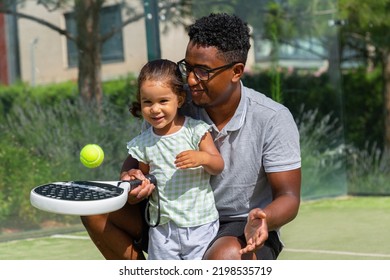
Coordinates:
[84,198]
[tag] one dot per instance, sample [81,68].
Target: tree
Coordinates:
[367,27]
[298,24]
[88,39]
[358,25]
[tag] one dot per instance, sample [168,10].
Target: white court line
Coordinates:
[337,253]
[285,249]
[69,236]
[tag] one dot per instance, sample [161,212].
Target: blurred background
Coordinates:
[68,70]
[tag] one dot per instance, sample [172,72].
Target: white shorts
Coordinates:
[170,242]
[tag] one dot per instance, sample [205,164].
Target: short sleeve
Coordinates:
[136,149]
[281,149]
[199,129]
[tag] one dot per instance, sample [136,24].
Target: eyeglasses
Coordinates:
[200,72]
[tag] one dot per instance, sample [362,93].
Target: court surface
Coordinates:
[345,228]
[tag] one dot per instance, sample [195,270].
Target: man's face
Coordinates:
[217,89]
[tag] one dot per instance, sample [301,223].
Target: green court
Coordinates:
[345,228]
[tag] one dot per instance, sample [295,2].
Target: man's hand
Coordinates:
[256,231]
[142,191]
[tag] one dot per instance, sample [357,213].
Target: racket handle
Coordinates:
[136,183]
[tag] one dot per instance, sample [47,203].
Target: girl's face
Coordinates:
[159,106]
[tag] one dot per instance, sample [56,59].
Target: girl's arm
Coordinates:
[208,156]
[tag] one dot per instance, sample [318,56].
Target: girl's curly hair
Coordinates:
[228,33]
[162,70]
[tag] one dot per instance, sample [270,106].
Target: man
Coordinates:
[259,190]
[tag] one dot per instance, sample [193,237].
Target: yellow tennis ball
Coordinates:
[91,155]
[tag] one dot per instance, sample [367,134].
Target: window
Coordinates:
[112,49]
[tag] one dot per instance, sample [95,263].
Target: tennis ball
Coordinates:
[91,155]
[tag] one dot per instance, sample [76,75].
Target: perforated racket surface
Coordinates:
[83,197]
[79,190]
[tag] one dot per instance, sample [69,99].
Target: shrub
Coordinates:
[121,92]
[323,156]
[42,144]
[368,171]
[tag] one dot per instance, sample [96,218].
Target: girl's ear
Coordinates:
[181,99]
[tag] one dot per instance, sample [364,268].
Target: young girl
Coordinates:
[180,152]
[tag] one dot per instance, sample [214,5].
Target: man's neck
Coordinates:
[223,113]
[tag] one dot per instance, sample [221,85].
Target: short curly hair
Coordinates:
[228,33]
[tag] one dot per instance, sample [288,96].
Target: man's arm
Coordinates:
[129,164]
[286,190]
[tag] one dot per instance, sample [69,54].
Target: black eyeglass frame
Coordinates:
[190,69]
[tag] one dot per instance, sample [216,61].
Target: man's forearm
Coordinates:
[129,163]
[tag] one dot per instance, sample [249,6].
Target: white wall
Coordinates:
[50,57]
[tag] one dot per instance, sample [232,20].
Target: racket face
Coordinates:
[79,191]
[81,198]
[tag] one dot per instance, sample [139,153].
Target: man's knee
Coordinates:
[225,248]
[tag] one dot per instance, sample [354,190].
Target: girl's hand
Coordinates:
[189,159]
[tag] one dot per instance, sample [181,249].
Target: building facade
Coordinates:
[47,57]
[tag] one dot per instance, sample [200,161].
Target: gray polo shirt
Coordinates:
[261,137]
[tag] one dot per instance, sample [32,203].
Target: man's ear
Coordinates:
[238,70]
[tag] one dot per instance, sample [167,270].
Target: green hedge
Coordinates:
[358,104]
[119,92]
